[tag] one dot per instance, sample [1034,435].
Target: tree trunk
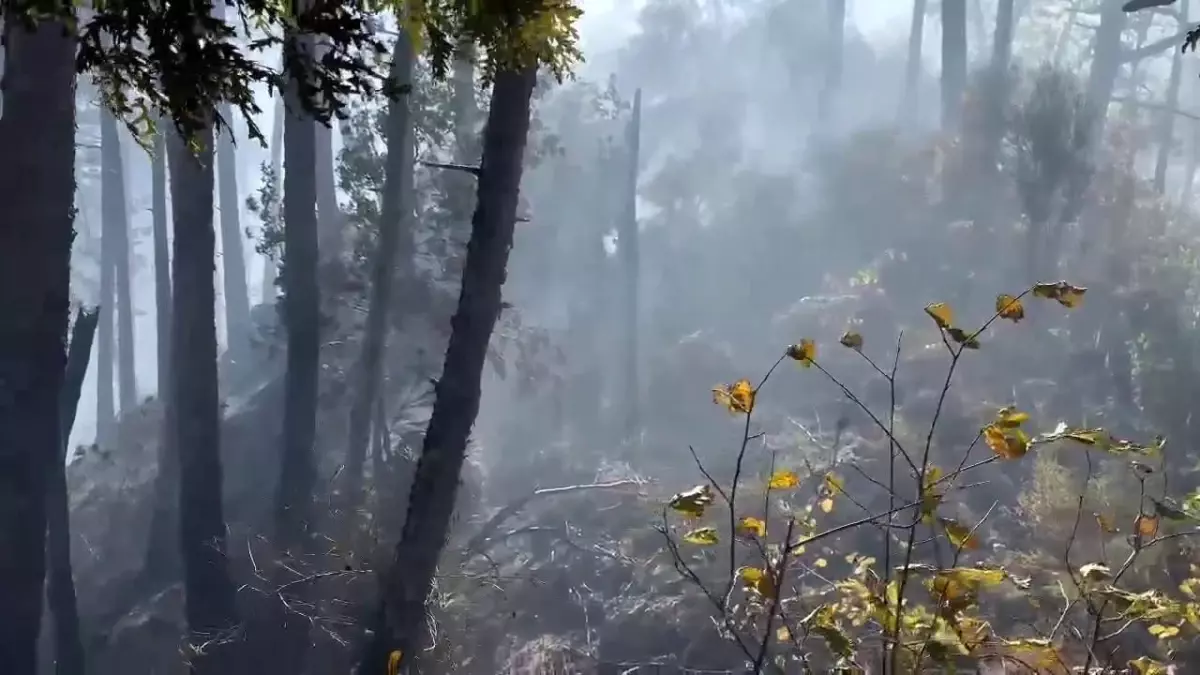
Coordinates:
[835,49]
[162,563]
[162,257]
[194,414]
[912,66]
[60,583]
[301,317]
[435,485]
[631,262]
[115,218]
[1106,63]
[271,264]
[1166,125]
[395,214]
[996,96]
[37,133]
[106,407]
[329,214]
[233,256]
[954,62]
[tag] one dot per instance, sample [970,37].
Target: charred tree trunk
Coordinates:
[631,262]
[912,66]
[435,486]
[37,132]
[271,264]
[193,411]
[60,581]
[1166,125]
[954,62]
[395,215]
[233,256]
[835,49]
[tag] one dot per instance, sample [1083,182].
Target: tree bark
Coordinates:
[115,217]
[395,215]
[37,133]
[435,485]
[912,66]
[233,255]
[106,407]
[162,256]
[194,414]
[1106,63]
[954,62]
[996,96]
[629,249]
[293,511]
[1166,124]
[60,582]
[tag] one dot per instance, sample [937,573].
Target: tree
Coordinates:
[193,413]
[628,246]
[431,503]
[954,61]
[912,63]
[233,257]
[36,202]
[60,582]
[395,219]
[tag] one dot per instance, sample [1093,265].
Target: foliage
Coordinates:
[924,606]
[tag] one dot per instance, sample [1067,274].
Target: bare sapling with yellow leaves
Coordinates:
[923,608]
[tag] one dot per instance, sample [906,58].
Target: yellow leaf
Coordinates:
[1009,417]
[941,314]
[704,536]
[826,504]
[852,340]
[959,534]
[1106,524]
[805,352]
[394,659]
[1067,295]
[1190,587]
[783,634]
[1163,632]
[783,480]
[820,562]
[1008,307]
[757,580]
[834,484]
[750,526]
[976,577]
[1146,526]
[692,503]
[737,397]
[1008,445]
[1144,665]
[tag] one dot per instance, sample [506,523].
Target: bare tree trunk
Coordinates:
[1166,125]
[126,363]
[271,265]
[954,62]
[835,49]
[912,67]
[435,486]
[996,96]
[193,412]
[631,262]
[110,199]
[161,563]
[233,256]
[60,583]
[395,215]
[1106,63]
[37,134]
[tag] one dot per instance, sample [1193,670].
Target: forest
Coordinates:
[576,337]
